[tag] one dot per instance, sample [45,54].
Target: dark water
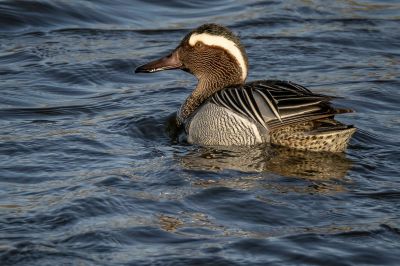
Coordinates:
[90,176]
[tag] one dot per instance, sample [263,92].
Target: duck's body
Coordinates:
[268,111]
[224,111]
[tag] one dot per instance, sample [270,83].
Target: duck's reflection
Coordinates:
[279,160]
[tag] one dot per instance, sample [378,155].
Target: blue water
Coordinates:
[89,171]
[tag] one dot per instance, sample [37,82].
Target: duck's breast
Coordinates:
[214,125]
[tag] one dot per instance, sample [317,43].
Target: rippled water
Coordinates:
[91,176]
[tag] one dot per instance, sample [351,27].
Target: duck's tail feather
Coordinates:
[322,135]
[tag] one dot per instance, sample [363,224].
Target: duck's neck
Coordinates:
[204,89]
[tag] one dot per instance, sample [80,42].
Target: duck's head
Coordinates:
[211,52]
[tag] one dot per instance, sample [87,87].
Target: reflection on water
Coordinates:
[278,160]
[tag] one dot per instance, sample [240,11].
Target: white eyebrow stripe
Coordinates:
[220,41]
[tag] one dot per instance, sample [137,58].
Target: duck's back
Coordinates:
[274,111]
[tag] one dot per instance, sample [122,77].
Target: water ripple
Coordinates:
[92,171]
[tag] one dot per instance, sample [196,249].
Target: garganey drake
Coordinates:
[223,110]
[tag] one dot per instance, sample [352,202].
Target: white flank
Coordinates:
[220,41]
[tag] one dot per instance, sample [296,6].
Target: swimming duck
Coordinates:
[223,110]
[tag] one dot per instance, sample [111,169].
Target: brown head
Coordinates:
[211,52]
[214,55]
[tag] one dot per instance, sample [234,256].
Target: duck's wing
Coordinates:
[275,103]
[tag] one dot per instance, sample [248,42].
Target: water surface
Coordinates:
[90,174]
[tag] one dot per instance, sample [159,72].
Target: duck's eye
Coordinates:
[199,44]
